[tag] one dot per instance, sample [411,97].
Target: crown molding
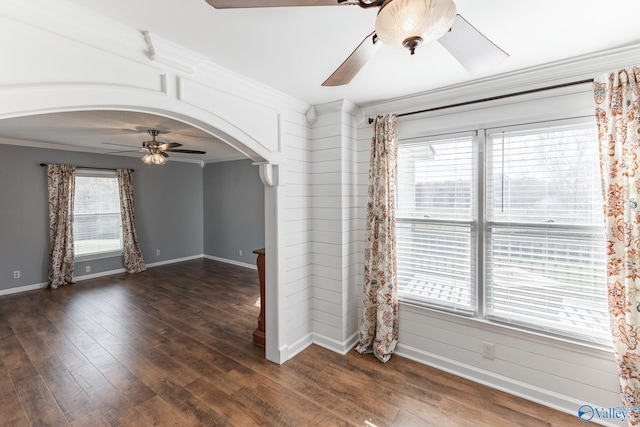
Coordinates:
[559,72]
[171,54]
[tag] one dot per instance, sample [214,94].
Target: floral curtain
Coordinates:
[133,261]
[379,328]
[61,188]
[618,118]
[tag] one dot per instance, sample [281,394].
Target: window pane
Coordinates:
[545,176]
[97,226]
[435,243]
[435,179]
[435,264]
[553,279]
[545,239]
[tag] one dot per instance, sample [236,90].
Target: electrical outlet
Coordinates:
[87,269]
[16,274]
[157,252]
[488,350]
[240,252]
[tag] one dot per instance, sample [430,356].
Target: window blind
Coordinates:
[435,237]
[545,248]
[97,226]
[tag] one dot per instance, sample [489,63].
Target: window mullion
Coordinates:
[480,159]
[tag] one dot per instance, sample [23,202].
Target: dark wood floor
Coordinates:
[172,347]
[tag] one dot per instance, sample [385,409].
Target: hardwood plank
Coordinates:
[10,406]
[93,419]
[231,410]
[160,412]
[112,405]
[39,404]
[173,346]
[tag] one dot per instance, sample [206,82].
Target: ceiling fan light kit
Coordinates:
[409,23]
[154,157]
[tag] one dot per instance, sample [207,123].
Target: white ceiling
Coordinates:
[113,132]
[295,49]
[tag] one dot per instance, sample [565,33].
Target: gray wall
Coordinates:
[169,211]
[233,210]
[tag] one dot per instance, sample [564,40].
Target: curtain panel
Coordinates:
[618,118]
[61,190]
[133,260]
[379,328]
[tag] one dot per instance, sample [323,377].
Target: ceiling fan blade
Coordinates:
[234,4]
[354,63]
[120,145]
[123,151]
[169,145]
[471,48]
[173,150]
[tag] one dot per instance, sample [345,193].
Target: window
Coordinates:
[512,233]
[97,223]
[435,227]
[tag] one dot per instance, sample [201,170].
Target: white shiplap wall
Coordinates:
[298,248]
[335,232]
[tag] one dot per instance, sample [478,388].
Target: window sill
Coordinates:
[101,255]
[592,349]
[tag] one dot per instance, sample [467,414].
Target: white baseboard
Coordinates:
[26,288]
[341,347]
[299,345]
[231,261]
[100,274]
[535,394]
[174,260]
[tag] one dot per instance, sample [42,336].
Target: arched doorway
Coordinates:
[266,170]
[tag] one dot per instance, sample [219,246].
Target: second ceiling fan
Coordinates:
[157,151]
[406,23]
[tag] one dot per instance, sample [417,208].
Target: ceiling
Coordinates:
[118,133]
[295,49]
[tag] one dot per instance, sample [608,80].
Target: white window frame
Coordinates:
[482,226]
[444,223]
[102,254]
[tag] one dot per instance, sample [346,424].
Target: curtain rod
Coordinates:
[493,98]
[85,167]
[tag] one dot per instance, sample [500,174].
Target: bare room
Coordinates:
[326,212]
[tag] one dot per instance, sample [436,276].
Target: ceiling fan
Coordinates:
[406,23]
[157,151]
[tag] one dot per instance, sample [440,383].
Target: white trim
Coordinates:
[536,337]
[36,286]
[100,274]
[300,345]
[341,347]
[172,54]
[174,260]
[19,289]
[535,394]
[230,261]
[558,72]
